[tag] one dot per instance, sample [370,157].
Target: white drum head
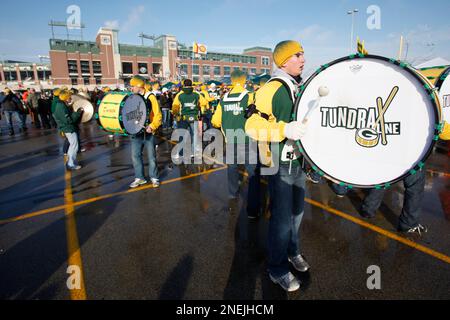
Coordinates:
[345,140]
[134,114]
[443,85]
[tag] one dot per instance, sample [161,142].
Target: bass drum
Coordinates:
[377,125]
[123,113]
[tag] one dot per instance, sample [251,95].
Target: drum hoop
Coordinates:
[410,70]
[442,77]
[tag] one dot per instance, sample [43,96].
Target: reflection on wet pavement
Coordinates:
[186,240]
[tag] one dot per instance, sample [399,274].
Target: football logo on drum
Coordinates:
[370,124]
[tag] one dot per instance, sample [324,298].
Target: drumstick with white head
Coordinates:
[323,92]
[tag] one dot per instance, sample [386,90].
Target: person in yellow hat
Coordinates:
[270,121]
[68,122]
[146,139]
[189,105]
[230,118]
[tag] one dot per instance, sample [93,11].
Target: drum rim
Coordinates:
[442,77]
[126,95]
[410,70]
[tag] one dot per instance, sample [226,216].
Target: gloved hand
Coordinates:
[295,130]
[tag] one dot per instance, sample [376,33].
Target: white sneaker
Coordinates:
[76,167]
[137,182]
[288,282]
[299,263]
[155,183]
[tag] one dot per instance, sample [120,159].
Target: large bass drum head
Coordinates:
[377,124]
[134,114]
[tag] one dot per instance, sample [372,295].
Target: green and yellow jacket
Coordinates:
[188,104]
[275,99]
[230,112]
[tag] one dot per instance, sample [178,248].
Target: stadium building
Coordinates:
[106,62]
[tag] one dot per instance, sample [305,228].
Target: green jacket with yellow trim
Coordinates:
[189,104]
[230,115]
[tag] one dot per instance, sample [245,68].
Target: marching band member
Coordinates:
[189,105]
[414,191]
[67,122]
[145,139]
[230,117]
[271,123]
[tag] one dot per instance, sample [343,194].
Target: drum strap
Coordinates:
[288,85]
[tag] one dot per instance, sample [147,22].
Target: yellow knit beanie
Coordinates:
[238,77]
[137,81]
[284,50]
[65,95]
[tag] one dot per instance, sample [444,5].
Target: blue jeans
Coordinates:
[21,117]
[138,142]
[73,148]
[254,178]
[207,120]
[192,127]
[414,191]
[166,118]
[287,192]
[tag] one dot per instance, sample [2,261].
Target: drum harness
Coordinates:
[252,109]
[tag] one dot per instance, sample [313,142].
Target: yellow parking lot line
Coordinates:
[379,230]
[443,174]
[382,231]
[73,246]
[103,197]
[33,214]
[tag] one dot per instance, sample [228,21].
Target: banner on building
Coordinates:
[199,48]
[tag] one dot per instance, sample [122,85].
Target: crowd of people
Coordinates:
[263,113]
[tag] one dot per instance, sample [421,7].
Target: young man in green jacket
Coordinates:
[68,121]
[272,123]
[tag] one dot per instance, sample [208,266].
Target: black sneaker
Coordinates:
[366,215]
[419,229]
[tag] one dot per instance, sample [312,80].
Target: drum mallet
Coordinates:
[323,92]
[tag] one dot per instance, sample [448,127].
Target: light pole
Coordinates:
[352,13]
